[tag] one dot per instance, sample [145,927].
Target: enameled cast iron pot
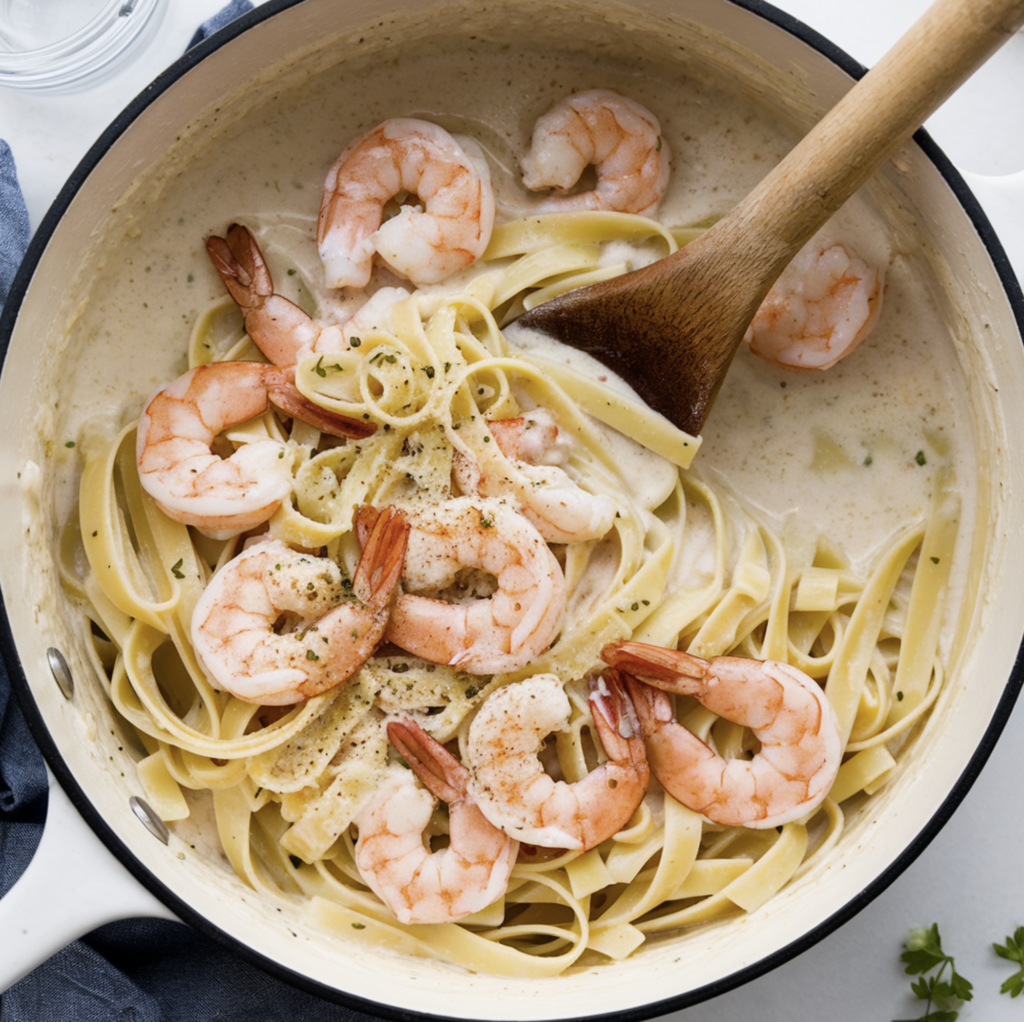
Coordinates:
[789,67]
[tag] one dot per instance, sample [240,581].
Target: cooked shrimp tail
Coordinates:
[799,755]
[439,771]
[514,791]
[236,624]
[384,537]
[278,327]
[417,885]
[617,723]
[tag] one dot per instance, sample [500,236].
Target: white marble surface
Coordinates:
[975,893]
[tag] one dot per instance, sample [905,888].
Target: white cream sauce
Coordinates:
[853,451]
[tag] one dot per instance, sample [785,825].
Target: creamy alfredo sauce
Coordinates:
[853,451]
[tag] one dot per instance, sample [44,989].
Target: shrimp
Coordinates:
[237,620]
[619,136]
[474,548]
[402,156]
[178,468]
[527,465]
[420,886]
[825,303]
[800,746]
[277,326]
[515,793]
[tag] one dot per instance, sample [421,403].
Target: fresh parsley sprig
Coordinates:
[1013,951]
[924,955]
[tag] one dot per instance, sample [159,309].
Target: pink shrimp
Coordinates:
[826,302]
[515,615]
[236,624]
[177,466]
[619,136]
[420,886]
[512,788]
[528,466]
[402,156]
[800,748]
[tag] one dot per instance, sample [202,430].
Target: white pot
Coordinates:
[789,67]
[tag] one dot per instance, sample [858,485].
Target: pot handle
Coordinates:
[1002,198]
[73,884]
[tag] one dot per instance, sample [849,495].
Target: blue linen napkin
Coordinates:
[146,970]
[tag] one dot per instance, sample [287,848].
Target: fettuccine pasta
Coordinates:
[684,564]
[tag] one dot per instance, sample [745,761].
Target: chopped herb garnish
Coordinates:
[176,568]
[920,458]
[355,342]
[359,926]
[70,443]
[310,655]
[429,370]
[935,560]
[485,523]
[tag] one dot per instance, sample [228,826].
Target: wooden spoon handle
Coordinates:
[939,52]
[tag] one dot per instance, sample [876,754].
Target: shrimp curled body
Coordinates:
[825,303]
[402,156]
[788,713]
[277,326]
[619,136]
[528,465]
[496,592]
[235,621]
[420,886]
[177,465]
[512,788]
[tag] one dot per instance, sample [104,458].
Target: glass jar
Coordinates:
[56,44]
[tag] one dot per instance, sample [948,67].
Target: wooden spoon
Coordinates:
[672,328]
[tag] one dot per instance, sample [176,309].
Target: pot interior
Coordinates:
[734,91]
